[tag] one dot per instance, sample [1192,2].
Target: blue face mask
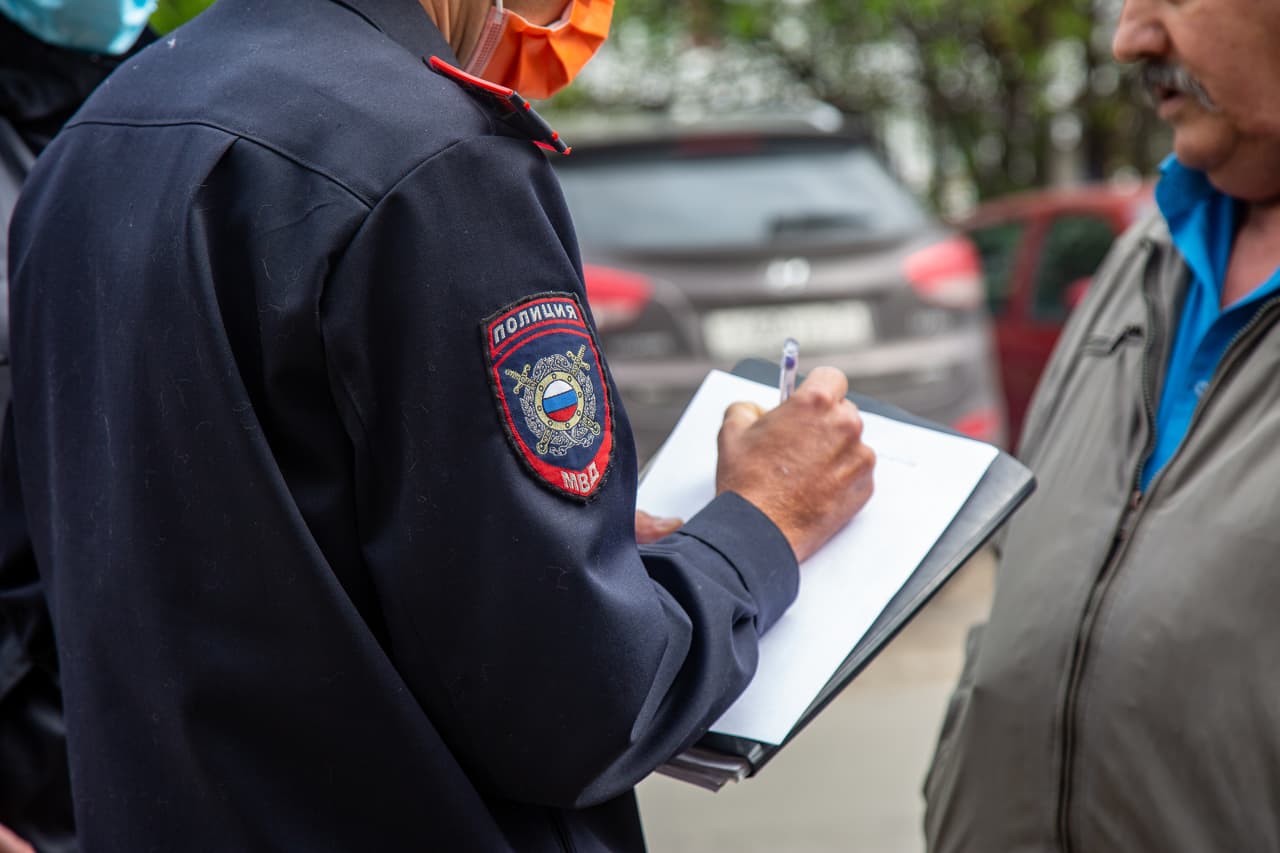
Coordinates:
[102,26]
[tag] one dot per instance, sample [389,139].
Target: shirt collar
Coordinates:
[407,23]
[1201,221]
[1180,191]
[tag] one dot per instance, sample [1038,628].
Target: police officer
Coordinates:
[327,489]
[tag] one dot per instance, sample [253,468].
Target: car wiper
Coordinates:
[801,223]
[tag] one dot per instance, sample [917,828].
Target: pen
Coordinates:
[787,374]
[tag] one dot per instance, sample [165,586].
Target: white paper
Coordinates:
[922,479]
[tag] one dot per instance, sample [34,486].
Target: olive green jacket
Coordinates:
[1125,692]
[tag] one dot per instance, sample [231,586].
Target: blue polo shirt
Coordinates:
[1202,221]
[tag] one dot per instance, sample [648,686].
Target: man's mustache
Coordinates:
[1156,75]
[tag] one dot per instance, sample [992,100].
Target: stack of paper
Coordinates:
[706,768]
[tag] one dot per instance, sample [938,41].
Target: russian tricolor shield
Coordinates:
[544,368]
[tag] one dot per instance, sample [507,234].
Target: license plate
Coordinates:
[818,326]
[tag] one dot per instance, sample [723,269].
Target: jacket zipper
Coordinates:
[1230,356]
[1103,580]
[1124,529]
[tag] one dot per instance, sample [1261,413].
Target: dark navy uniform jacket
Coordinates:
[330,500]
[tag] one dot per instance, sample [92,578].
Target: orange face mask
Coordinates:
[539,61]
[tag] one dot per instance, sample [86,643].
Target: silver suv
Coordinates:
[707,244]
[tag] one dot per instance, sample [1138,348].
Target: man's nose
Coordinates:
[1140,33]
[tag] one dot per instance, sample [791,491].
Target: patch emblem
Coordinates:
[544,368]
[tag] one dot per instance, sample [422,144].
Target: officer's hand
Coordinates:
[10,843]
[802,464]
[650,528]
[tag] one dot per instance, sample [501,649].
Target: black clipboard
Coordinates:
[1006,484]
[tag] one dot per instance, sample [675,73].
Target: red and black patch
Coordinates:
[508,104]
[544,368]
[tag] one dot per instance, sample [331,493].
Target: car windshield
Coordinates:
[733,192]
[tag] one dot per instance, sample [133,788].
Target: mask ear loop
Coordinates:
[490,37]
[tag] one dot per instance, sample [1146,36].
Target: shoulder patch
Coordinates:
[544,369]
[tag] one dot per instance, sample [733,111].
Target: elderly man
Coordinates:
[329,498]
[1121,696]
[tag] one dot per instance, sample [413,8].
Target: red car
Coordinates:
[1039,250]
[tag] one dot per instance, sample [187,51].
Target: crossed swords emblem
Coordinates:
[525,382]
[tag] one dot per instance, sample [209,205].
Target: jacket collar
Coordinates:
[406,22]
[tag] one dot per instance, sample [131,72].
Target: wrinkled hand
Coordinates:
[10,843]
[650,528]
[802,464]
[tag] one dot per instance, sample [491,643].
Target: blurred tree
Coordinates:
[171,14]
[1002,87]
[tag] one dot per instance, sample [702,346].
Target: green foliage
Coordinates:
[988,77]
[171,14]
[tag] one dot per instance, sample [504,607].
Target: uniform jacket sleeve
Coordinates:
[560,662]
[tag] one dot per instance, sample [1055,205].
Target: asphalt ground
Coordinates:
[851,780]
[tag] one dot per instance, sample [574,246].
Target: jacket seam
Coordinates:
[362,444]
[340,256]
[239,134]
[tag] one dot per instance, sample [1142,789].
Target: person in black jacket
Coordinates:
[41,85]
[328,492]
